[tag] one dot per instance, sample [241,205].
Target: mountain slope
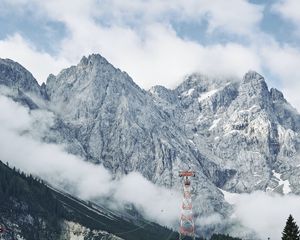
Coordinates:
[119,125]
[245,127]
[31,210]
[14,75]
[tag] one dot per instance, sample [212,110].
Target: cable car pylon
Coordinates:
[187,225]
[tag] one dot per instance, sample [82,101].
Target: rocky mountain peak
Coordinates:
[254,80]
[93,59]
[81,90]
[15,76]
[200,83]
[252,76]
[91,68]
[254,90]
[162,93]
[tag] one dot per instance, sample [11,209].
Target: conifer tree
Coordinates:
[291,230]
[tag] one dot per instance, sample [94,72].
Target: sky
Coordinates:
[158,42]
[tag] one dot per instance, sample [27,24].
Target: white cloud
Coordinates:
[226,15]
[161,204]
[209,220]
[41,64]
[157,57]
[284,62]
[266,213]
[160,56]
[151,51]
[137,36]
[288,9]
[219,14]
[8,119]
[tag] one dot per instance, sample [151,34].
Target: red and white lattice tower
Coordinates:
[187,226]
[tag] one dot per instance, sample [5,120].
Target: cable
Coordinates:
[133,230]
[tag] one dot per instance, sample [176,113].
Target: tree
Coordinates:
[291,230]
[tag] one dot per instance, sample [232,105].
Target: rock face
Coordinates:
[243,125]
[119,125]
[21,84]
[236,134]
[13,75]
[75,231]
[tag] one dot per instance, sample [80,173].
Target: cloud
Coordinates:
[159,57]
[41,64]
[163,204]
[139,37]
[21,147]
[209,220]
[146,45]
[284,62]
[265,213]
[220,15]
[288,9]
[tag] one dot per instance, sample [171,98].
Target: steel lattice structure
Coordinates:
[187,226]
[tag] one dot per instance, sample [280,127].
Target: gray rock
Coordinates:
[14,76]
[121,126]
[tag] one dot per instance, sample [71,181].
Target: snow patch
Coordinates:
[286,184]
[254,107]
[229,197]
[188,92]
[214,124]
[230,132]
[259,181]
[207,94]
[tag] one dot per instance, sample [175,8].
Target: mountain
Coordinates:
[20,81]
[237,134]
[103,116]
[15,76]
[245,127]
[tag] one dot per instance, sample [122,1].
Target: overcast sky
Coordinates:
[158,42]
